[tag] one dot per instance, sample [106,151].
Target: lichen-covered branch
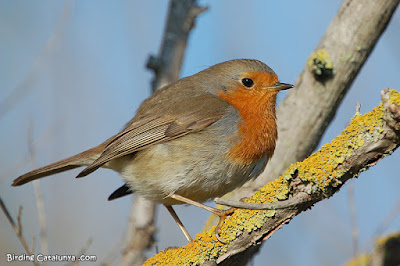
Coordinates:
[362,144]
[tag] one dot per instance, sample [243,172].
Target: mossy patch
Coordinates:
[321,64]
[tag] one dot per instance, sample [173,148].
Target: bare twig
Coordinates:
[82,251]
[19,220]
[353,218]
[33,243]
[39,197]
[17,227]
[392,214]
[358,108]
[181,19]
[41,141]
[166,67]
[292,202]
[86,247]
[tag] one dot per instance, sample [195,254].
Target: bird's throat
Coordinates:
[257,133]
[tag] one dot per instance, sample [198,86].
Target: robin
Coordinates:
[196,139]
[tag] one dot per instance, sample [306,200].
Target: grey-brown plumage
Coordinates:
[195,139]
[180,138]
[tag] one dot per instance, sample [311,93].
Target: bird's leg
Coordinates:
[178,221]
[222,214]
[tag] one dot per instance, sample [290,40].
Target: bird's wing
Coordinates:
[193,115]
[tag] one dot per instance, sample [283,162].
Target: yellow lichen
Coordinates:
[382,241]
[394,97]
[248,220]
[321,170]
[206,246]
[320,63]
[360,260]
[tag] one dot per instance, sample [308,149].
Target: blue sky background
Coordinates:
[72,75]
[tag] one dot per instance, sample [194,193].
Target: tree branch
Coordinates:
[309,107]
[39,197]
[166,67]
[17,228]
[362,144]
[180,21]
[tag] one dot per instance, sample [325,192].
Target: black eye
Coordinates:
[248,82]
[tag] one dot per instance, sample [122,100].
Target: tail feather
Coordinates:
[81,159]
[120,192]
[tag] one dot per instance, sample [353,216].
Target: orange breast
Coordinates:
[257,131]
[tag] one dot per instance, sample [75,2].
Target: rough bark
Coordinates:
[362,144]
[309,107]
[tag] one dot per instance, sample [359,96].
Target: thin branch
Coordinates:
[353,218]
[39,197]
[17,227]
[358,108]
[33,243]
[352,204]
[395,212]
[41,141]
[367,139]
[181,20]
[8,216]
[292,202]
[82,251]
[86,247]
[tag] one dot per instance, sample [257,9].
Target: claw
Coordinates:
[222,214]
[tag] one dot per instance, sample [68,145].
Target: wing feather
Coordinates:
[153,129]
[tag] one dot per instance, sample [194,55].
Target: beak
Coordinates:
[280,86]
